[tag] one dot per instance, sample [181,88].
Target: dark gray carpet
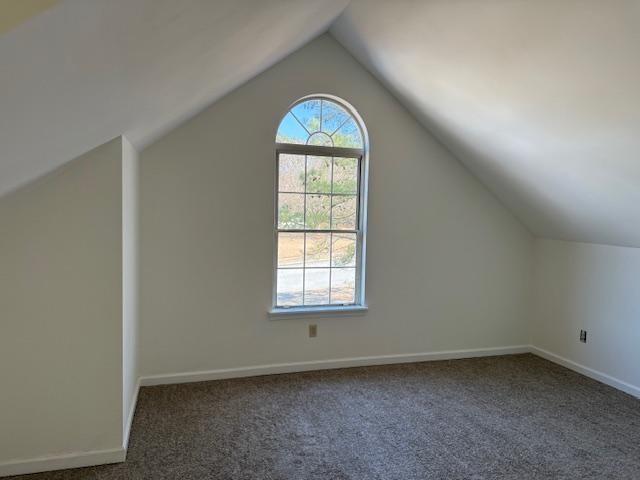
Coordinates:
[514,417]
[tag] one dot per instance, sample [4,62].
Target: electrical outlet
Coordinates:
[583,336]
[313,331]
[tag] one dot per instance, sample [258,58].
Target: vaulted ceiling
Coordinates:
[83,72]
[538,98]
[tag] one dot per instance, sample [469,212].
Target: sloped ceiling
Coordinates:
[83,72]
[539,98]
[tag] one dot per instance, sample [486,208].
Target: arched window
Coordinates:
[320,226]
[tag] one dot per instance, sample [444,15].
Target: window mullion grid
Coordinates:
[298,120]
[331,234]
[358,289]
[330,231]
[302,230]
[341,125]
[316,268]
[322,193]
[304,226]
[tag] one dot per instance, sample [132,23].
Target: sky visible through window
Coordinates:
[319,122]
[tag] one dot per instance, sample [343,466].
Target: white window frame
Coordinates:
[359,306]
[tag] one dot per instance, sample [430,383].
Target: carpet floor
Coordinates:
[511,417]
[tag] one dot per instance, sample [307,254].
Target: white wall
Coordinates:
[448,265]
[595,288]
[130,281]
[61,311]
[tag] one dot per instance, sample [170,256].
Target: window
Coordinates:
[320,206]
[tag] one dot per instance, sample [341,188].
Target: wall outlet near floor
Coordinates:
[583,336]
[313,331]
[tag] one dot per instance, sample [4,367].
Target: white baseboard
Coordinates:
[74,460]
[61,462]
[258,370]
[132,411]
[276,368]
[589,372]
[99,457]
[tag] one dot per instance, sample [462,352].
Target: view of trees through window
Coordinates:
[319,122]
[318,198]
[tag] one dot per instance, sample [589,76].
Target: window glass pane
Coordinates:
[333,116]
[316,286]
[290,131]
[348,135]
[318,174]
[291,211]
[320,139]
[309,114]
[290,250]
[291,173]
[343,215]
[345,175]
[343,285]
[289,288]
[343,250]
[317,249]
[316,194]
[318,207]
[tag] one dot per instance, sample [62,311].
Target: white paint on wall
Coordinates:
[61,316]
[579,286]
[130,281]
[448,266]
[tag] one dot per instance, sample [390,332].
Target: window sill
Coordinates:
[337,311]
